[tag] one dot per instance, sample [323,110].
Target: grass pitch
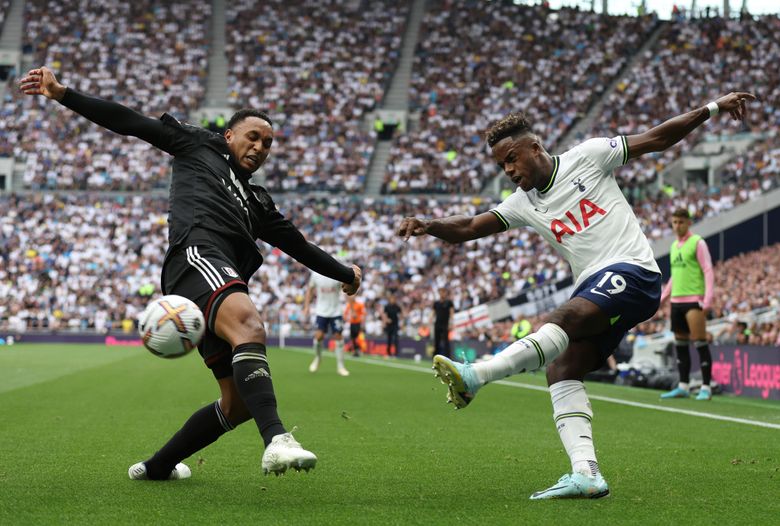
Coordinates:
[391,452]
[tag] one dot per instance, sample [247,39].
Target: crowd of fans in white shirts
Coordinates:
[151,56]
[85,261]
[318,82]
[695,61]
[317,67]
[477,61]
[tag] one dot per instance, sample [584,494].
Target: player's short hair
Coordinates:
[245,113]
[681,213]
[512,125]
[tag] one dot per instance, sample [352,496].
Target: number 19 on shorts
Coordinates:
[611,283]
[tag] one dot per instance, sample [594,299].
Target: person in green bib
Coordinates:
[691,289]
[521,329]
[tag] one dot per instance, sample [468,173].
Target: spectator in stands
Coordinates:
[729,335]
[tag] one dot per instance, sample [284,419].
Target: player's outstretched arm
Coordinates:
[453,229]
[669,133]
[110,115]
[281,233]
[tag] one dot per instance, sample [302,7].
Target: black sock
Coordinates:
[205,426]
[706,361]
[253,380]
[683,360]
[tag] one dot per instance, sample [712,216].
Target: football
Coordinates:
[171,326]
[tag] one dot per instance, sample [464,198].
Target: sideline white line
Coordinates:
[711,416]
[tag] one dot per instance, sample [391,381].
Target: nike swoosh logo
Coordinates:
[548,490]
[541,211]
[594,291]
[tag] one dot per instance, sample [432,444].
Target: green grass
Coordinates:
[391,452]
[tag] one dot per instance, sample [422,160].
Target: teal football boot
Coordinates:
[460,378]
[704,394]
[575,486]
[676,393]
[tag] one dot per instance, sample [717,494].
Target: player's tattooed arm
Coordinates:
[669,133]
[453,229]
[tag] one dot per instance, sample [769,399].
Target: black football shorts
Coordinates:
[206,276]
[679,321]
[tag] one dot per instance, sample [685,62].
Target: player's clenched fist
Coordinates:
[411,226]
[351,288]
[42,81]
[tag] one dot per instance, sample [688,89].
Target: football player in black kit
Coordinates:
[215,217]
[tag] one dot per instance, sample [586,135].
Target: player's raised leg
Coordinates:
[239,323]
[527,354]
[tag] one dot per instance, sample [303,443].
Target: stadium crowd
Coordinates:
[78,261]
[149,55]
[743,179]
[478,61]
[317,80]
[695,61]
[152,56]
[92,261]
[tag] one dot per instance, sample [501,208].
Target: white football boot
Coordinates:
[342,371]
[283,453]
[315,364]
[138,472]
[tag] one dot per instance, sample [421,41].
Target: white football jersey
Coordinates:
[582,211]
[328,295]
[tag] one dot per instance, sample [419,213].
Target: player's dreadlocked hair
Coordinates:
[512,124]
[240,115]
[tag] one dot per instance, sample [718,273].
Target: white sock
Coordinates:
[572,414]
[683,386]
[317,348]
[707,388]
[528,354]
[339,353]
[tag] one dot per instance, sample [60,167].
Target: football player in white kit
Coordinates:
[574,202]
[328,311]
